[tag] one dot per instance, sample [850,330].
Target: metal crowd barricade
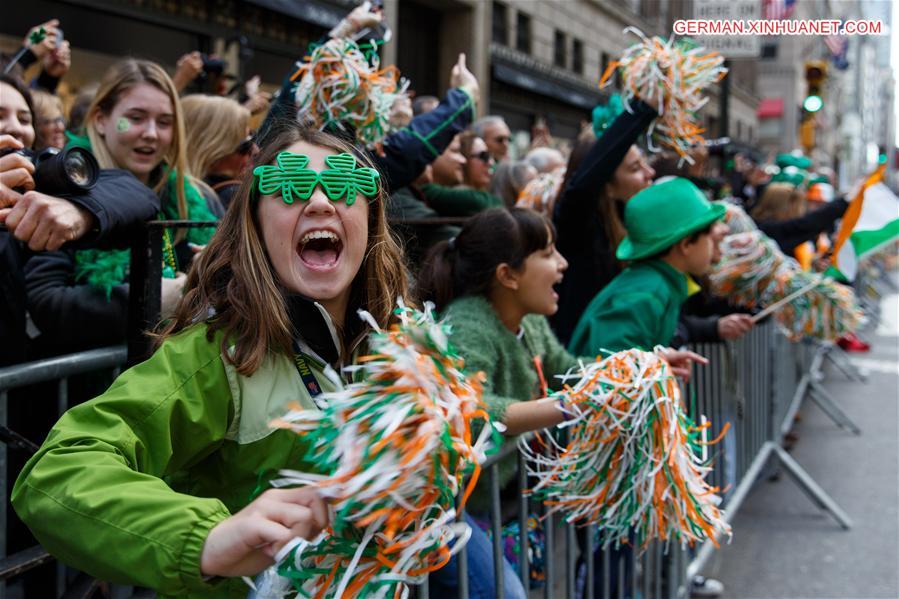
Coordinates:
[755,384]
[59,369]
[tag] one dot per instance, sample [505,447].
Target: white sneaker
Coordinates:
[701,586]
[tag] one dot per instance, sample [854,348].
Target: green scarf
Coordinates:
[104,269]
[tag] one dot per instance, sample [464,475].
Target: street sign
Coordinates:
[729,46]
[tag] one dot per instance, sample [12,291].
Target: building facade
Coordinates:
[534,59]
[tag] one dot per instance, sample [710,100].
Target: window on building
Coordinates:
[559,54]
[577,56]
[605,59]
[649,9]
[500,23]
[769,51]
[523,32]
[771,128]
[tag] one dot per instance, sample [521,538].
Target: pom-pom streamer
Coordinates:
[342,85]
[754,273]
[673,74]
[541,192]
[394,448]
[633,460]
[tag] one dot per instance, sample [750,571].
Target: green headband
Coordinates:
[342,178]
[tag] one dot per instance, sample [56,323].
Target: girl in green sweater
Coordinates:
[495,283]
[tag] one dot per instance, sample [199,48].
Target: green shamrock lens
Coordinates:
[341,180]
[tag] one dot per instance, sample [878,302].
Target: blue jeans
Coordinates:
[481,576]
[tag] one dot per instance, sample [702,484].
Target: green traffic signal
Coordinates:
[813,103]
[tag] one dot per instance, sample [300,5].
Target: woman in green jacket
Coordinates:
[153,483]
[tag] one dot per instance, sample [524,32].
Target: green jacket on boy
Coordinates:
[639,308]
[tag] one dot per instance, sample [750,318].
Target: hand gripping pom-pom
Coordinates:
[343,86]
[394,449]
[754,273]
[673,74]
[632,462]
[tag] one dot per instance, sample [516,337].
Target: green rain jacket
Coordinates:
[639,308]
[128,485]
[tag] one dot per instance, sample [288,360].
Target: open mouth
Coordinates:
[320,250]
[555,289]
[145,151]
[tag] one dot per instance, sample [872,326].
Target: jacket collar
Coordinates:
[314,330]
[676,280]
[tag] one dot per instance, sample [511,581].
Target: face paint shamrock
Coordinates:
[341,180]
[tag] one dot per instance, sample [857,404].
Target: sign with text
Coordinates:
[729,46]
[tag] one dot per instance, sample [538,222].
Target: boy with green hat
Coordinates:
[668,238]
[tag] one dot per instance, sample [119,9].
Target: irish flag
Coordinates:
[870,223]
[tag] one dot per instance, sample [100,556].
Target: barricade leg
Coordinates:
[570,561]
[839,358]
[829,406]
[810,487]
[496,526]
[524,566]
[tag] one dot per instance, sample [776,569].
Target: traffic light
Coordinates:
[815,74]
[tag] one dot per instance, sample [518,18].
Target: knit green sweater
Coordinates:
[487,345]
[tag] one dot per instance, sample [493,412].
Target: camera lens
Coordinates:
[73,170]
[77,169]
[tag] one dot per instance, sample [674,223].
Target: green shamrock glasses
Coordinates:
[291,178]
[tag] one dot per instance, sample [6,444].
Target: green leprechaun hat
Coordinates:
[663,214]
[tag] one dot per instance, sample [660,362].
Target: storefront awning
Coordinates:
[770,108]
[310,11]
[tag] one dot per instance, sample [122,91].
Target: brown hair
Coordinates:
[466,264]
[19,86]
[779,202]
[466,142]
[234,278]
[609,210]
[44,105]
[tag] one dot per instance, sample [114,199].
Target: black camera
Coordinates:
[212,66]
[72,171]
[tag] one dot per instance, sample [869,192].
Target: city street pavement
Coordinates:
[783,545]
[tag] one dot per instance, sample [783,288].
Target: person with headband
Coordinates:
[155,483]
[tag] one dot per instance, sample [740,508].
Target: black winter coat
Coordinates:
[118,202]
[581,236]
[794,232]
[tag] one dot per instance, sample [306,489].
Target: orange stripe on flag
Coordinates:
[850,218]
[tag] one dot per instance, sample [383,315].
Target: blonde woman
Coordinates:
[781,215]
[219,145]
[49,121]
[135,124]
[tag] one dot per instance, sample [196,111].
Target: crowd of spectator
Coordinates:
[528,284]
